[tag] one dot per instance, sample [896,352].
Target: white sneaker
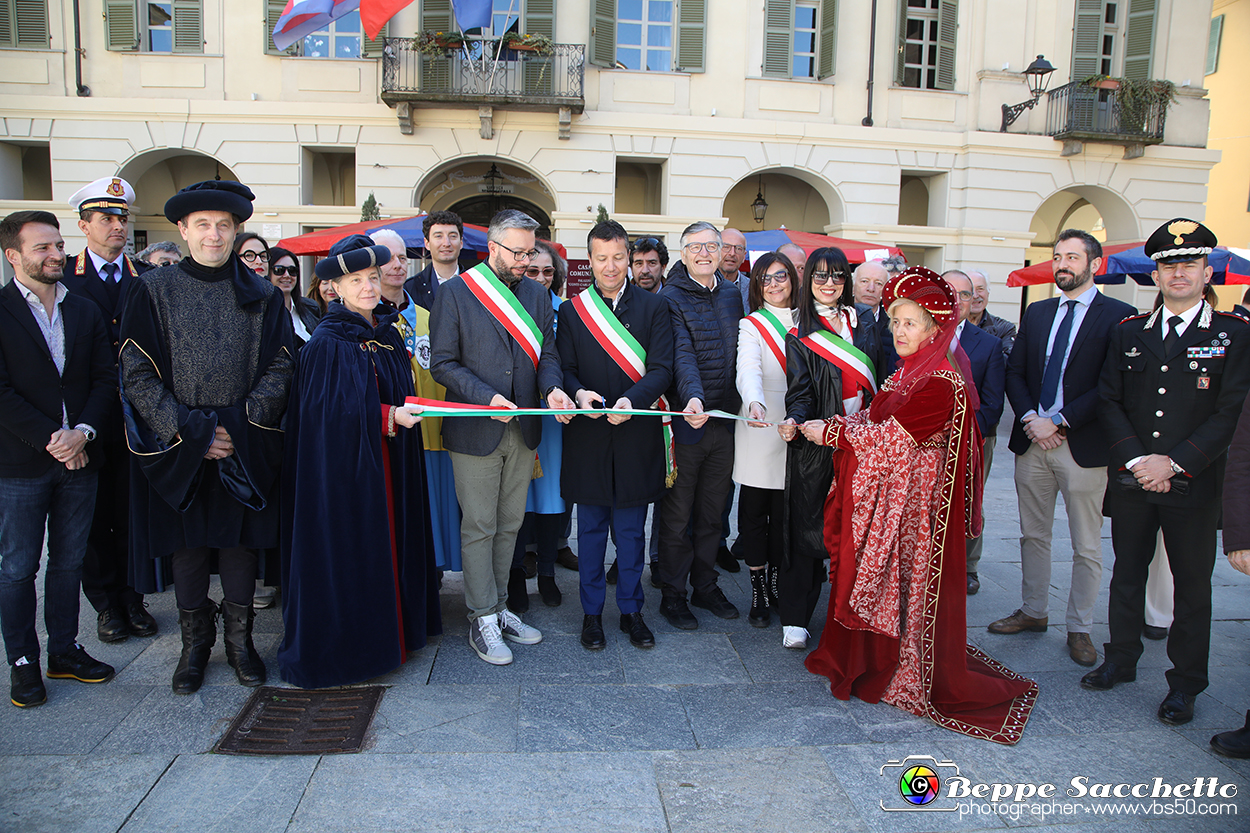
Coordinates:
[513,628]
[486,641]
[793,636]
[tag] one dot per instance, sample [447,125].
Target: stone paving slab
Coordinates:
[769,715]
[446,718]
[519,793]
[558,658]
[82,793]
[75,719]
[165,723]
[603,718]
[686,658]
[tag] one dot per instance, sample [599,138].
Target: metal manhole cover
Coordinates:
[292,721]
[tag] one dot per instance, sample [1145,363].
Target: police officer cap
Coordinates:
[351,254]
[211,195]
[1180,239]
[108,194]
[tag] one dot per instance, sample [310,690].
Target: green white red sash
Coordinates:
[857,370]
[504,305]
[629,355]
[772,331]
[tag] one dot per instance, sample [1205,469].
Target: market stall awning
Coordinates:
[856,251]
[1128,260]
[319,242]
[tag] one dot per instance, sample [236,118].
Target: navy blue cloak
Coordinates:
[358,579]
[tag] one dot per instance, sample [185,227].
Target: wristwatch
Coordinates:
[87,431]
[1175,468]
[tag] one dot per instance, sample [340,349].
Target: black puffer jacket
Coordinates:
[705,341]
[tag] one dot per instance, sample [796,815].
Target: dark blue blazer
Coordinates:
[90,285]
[1086,437]
[422,286]
[887,356]
[989,374]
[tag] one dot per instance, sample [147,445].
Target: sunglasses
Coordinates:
[826,277]
[292,271]
[775,277]
[534,272]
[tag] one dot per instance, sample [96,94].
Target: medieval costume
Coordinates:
[905,500]
[357,551]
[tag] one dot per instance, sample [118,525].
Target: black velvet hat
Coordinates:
[1180,239]
[351,254]
[211,195]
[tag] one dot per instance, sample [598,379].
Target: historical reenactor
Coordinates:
[103,273]
[206,364]
[1172,389]
[616,350]
[57,382]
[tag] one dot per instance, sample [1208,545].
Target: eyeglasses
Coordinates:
[292,271]
[730,248]
[519,256]
[965,296]
[826,277]
[694,248]
[775,277]
[545,272]
[251,257]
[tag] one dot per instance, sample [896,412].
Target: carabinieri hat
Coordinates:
[211,195]
[925,288]
[351,254]
[1180,239]
[108,194]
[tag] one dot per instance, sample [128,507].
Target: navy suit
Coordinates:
[886,356]
[422,286]
[989,369]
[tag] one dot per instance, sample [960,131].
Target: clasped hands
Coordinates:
[67,445]
[1043,431]
[1154,473]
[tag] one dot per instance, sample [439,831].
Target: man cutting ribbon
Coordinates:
[491,343]
[616,351]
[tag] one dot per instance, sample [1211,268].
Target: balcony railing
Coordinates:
[1080,112]
[518,79]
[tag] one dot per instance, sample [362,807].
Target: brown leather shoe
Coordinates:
[1081,649]
[1017,622]
[566,558]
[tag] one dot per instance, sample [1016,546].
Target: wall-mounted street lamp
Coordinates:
[758,207]
[1038,76]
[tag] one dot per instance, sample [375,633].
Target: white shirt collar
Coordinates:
[33,299]
[1084,299]
[99,262]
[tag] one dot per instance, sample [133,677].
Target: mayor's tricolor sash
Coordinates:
[772,331]
[504,305]
[857,370]
[630,357]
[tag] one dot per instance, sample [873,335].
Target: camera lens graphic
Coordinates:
[919,785]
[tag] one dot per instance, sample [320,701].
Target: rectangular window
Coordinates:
[1213,44]
[920,45]
[644,35]
[24,24]
[804,43]
[340,39]
[157,26]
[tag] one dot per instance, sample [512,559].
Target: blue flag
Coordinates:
[472,14]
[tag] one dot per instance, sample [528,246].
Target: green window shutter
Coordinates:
[373,48]
[540,18]
[6,24]
[188,26]
[603,33]
[1213,44]
[1138,39]
[121,23]
[435,75]
[902,43]
[778,36]
[691,35]
[948,26]
[273,11]
[29,26]
[1087,39]
[827,50]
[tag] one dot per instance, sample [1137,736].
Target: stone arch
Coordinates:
[801,200]
[459,182]
[156,176]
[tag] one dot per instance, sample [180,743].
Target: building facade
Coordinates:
[1228,67]
[664,111]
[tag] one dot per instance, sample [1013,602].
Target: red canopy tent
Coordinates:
[856,251]
[1040,273]
[319,242]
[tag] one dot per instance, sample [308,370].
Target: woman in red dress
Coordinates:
[903,503]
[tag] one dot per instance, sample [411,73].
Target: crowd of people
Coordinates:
[349,445]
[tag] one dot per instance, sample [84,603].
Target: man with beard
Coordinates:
[103,274]
[444,237]
[1060,446]
[492,342]
[648,260]
[57,380]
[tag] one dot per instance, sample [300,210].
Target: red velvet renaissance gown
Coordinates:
[896,522]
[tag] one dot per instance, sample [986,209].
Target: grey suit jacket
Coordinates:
[475,358]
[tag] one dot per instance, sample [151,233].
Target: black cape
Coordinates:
[179,500]
[358,580]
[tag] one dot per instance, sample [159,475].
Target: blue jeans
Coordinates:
[65,500]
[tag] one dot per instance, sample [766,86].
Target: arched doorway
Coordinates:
[158,175]
[479,210]
[479,187]
[798,200]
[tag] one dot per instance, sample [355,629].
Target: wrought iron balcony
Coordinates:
[1077,112]
[517,79]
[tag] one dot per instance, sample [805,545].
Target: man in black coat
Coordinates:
[444,238]
[103,273]
[1060,447]
[614,466]
[705,311]
[57,381]
[1172,390]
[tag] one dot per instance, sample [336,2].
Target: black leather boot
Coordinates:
[758,617]
[199,632]
[237,637]
[771,585]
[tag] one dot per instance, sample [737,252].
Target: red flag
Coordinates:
[375,13]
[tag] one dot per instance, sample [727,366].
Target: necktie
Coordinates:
[111,285]
[1174,334]
[1054,363]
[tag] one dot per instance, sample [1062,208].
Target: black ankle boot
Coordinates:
[518,594]
[771,585]
[237,637]
[758,617]
[199,632]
